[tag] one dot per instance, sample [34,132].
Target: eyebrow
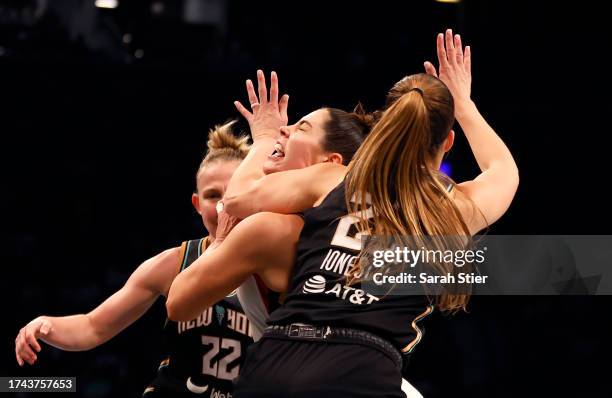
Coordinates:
[211,190]
[304,122]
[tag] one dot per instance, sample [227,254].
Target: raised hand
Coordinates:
[268,115]
[26,342]
[455,66]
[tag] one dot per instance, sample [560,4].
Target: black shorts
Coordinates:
[276,367]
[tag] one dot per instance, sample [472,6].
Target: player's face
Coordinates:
[212,182]
[300,144]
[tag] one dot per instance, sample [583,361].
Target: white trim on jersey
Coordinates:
[253,305]
[409,390]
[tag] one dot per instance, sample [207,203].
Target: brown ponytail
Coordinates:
[407,197]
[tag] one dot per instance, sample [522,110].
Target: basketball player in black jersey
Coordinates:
[331,338]
[204,353]
[325,135]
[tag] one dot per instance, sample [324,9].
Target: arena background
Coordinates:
[104,120]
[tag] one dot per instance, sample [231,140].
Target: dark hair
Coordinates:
[345,131]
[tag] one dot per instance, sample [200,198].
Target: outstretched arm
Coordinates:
[494,188]
[262,244]
[85,331]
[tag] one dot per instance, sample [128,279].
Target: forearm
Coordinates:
[72,333]
[286,192]
[184,301]
[192,292]
[210,279]
[264,195]
[86,331]
[488,148]
[251,168]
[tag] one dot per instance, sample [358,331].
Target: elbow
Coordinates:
[509,175]
[93,336]
[243,205]
[175,307]
[172,310]
[510,185]
[176,311]
[238,206]
[231,205]
[514,177]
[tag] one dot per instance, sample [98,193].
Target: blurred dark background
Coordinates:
[104,120]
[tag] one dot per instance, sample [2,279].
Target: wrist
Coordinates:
[263,140]
[464,108]
[262,134]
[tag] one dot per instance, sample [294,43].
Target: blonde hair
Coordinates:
[406,196]
[223,145]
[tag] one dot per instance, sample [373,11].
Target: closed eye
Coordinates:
[303,125]
[211,195]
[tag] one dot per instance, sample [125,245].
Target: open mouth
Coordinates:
[278,151]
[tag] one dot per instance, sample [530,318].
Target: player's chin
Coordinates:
[273,166]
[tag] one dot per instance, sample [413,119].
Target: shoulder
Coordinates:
[472,216]
[324,178]
[327,169]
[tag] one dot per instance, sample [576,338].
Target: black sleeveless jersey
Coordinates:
[205,354]
[319,295]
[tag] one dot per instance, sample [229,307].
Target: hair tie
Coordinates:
[420,91]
